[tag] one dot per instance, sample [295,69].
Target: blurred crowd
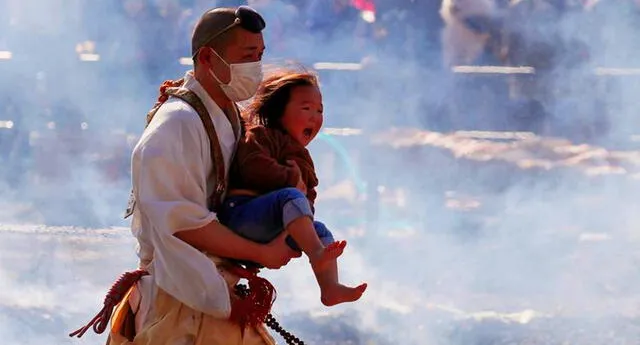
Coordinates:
[78,76]
[577,50]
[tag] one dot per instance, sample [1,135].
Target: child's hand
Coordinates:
[291,163]
[301,185]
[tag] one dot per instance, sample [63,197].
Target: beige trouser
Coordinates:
[170,322]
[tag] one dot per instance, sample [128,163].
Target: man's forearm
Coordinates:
[216,239]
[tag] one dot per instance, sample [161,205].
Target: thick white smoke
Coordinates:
[464,239]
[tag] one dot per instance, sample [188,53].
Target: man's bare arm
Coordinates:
[216,239]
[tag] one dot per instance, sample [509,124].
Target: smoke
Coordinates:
[464,237]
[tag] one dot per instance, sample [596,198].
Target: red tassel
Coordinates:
[252,310]
[163,97]
[114,296]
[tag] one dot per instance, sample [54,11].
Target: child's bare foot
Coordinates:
[328,255]
[339,293]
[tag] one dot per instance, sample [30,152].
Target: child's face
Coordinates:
[302,117]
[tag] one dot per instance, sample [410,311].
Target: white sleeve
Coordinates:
[169,178]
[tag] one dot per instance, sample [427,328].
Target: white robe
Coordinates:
[171,165]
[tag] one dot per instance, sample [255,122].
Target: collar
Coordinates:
[193,85]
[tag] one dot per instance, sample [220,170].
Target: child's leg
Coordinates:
[325,267]
[259,218]
[332,291]
[303,232]
[264,217]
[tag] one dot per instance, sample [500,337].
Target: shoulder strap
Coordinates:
[236,120]
[220,176]
[219,173]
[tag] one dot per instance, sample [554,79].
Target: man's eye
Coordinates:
[306,108]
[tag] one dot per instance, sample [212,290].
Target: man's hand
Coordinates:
[277,253]
[301,186]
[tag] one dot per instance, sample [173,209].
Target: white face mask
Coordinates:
[245,79]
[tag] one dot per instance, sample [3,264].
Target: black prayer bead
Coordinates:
[271,322]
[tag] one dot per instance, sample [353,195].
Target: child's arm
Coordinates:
[311,196]
[309,179]
[258,165]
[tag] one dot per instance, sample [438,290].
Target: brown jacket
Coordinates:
[260,163]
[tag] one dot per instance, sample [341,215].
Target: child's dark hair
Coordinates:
[268,105]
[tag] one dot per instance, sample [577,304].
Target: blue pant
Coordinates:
[261,219]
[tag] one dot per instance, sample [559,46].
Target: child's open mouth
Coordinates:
[307,132]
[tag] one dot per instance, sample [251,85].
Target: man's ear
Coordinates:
[203,56]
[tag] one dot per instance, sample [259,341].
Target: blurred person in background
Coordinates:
[336,25]
[283,18]
[536,35]
[141,41]
[472,36]
[470,32]
[325,17]
[409,28]
[551,36]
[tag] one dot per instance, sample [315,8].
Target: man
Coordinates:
[186,298]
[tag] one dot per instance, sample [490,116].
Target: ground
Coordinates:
[535,245]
